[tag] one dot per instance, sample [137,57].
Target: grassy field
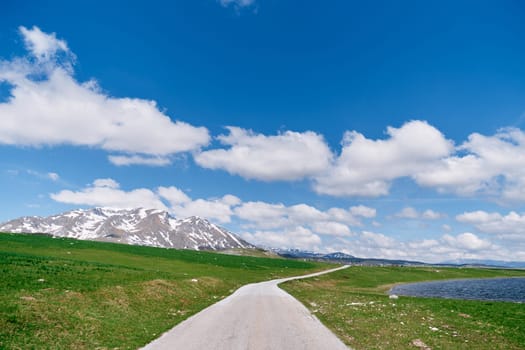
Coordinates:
[69,294]
[354,304]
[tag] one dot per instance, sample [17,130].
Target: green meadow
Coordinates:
[65,294]
[354,304]
[69,294]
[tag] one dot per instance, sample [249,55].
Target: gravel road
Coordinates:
[257,316]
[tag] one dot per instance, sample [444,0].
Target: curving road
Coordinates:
[257,316]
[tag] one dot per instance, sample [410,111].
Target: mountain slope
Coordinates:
[150,227]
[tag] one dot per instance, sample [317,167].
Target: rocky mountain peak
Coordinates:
[140,226]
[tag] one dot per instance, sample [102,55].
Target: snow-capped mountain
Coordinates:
[150,227]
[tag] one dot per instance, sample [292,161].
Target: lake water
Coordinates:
[498,289]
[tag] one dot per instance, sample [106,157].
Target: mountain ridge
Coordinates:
[137,226]
[343,258]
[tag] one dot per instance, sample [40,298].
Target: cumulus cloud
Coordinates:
[296,238]
[363,211]
[110,183]
[47,106]
[287,156]
[43,46]
[174,195]
[138,160]
[219,209]
[263,214]
[334,221]
[510,226]
[423,244]
[412,213]
[445,248]
[306,227]
[493,165]
[467,241]
[366,167]
[107,193]
[378,240]
[488,165]
[331,228]
[430,214]
[257,216]
[407,213]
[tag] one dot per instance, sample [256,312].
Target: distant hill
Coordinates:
[148,227]
[488,262]
[343,258]
[340,257]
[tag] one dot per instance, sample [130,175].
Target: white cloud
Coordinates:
[257,216]
[446,228]
[477,217]
[331,228]
[139,160]
[107,193]
[366,167]
[351,216]
[287,156]
[447,248]
[54,109]
[363,211]
[174,195]
[219,209]
[412,213]
[430,214]
[298,238]
[408,213]
[378,239]
[53,176]
[46,176]
[334,221]
[306,227]
[42,46]
[467,241]
[263,215]
[110,183]
[463,175]
[489,165]
[510,226]
[424,244]
[493,165]
[305,213]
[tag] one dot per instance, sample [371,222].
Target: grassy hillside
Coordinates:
[69,294]
[354,304]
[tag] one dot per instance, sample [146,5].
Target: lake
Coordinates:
[497,289]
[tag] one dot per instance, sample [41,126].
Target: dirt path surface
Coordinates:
[257,316]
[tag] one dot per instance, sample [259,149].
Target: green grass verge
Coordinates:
[69,294]
[353,303]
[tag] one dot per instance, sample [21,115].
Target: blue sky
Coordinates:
[382,130]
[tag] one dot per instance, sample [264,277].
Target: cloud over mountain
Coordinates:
[264,223]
